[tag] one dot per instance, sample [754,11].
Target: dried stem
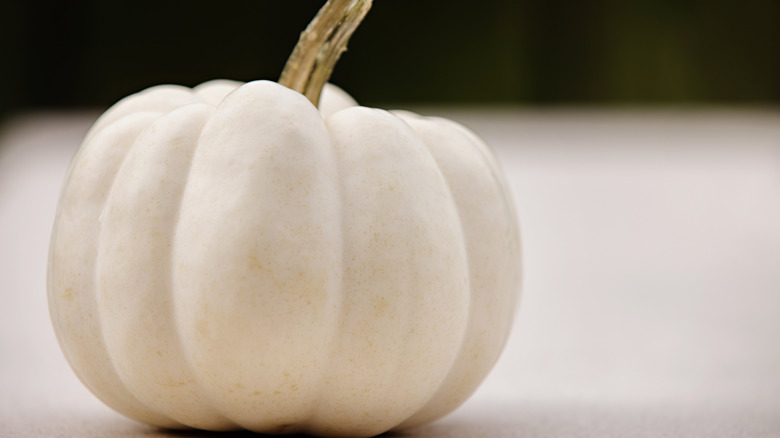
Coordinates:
[320,46]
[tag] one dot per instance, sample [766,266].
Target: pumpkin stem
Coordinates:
[320,46]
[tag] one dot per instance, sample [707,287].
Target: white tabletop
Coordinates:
[651,300]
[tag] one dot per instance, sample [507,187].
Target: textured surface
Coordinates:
[253,265]
[651,304]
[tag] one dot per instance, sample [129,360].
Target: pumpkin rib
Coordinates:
[305,426]
[414,121]
[72,278]
[134,281]
[219,421]
[257,200]
[397,292]
[159,99]
[106,321]
[495,167]
[210,93]
[448,144]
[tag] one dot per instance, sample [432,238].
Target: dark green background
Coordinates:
[91,53]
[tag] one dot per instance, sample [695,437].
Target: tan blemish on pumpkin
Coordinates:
[380,306]
[172,384]
[254,263]
[68,294]
[202,327]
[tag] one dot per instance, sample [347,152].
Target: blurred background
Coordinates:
[640,140]
[90,53]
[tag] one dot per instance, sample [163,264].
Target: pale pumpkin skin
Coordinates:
[230,257]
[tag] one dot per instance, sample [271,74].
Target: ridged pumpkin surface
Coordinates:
[230,257]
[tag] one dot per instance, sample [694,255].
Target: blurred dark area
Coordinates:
[90,53]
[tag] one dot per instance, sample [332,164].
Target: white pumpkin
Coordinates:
[230,257]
